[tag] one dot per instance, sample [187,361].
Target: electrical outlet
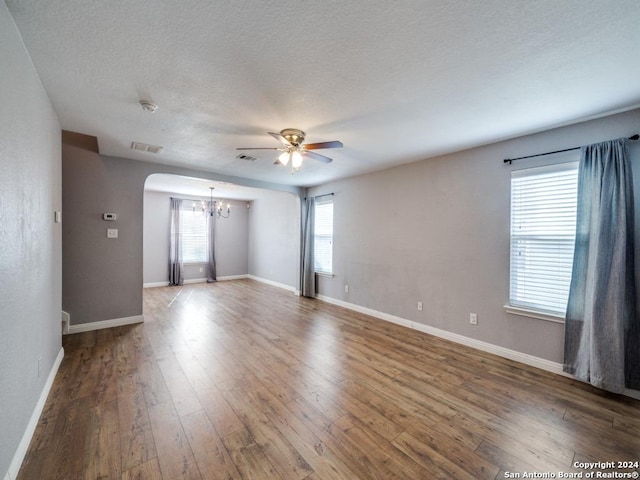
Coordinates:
[346,289]
[419,306]
[473,318]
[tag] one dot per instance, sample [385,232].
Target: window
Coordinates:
[323,236]
[194,234]
[543,224]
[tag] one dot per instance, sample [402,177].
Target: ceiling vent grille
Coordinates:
[143,147]
[248,158]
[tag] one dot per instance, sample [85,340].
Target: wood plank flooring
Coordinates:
[241,380]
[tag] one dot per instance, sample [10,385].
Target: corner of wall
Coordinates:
[21,451]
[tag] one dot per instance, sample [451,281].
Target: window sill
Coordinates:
[525,312]
[325,274]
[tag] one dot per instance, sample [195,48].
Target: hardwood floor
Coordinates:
[240,380]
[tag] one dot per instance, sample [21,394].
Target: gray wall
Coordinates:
[437,231]
[30,257]
[102,278]
[231,240]
[274,238]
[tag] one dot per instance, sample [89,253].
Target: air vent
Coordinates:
[143,147]
[248,158]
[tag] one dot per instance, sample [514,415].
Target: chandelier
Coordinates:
[214,208]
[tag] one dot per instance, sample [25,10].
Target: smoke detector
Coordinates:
[148,106]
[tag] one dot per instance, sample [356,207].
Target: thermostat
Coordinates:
[109,216]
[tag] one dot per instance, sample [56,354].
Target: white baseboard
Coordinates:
[232,277]
[525,358]
[18,456]
[155,284]
[531,360]
[195,280]
[274,284]
[114,322]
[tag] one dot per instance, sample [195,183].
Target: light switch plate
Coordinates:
[112,233]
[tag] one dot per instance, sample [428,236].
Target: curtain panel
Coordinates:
[211,246]
[601,327]
[307,270]
[176,273]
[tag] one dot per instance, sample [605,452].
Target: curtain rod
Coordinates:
[509,160]
[320,196]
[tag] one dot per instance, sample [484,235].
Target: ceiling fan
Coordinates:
[293,149]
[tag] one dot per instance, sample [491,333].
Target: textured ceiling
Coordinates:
[394,81]
[198,187]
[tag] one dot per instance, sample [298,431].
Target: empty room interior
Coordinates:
[319,240]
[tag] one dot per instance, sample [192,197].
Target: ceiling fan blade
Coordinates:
[280,138]
[316,146]
[258,148]
[317,156]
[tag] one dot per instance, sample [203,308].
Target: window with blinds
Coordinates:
[543,225]
[323,236]
[193,230]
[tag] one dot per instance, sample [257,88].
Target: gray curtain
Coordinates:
[307,270]
[211,245]
[601,345]
[176,275]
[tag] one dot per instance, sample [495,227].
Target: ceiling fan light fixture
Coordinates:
[294,149]
[284,158]
[296,159]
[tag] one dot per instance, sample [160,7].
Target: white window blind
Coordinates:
[323,236]
[543,225]
[194,234]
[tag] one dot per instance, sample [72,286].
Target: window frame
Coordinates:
[529,309]
[328,201]
[192,208]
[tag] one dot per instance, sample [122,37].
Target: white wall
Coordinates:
[156,229]
[30,257]
[231,240]
[274,238]
[437,231]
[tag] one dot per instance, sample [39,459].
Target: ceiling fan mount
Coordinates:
[292,135]
[294,149]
